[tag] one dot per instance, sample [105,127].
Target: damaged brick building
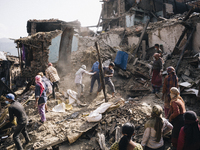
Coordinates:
[127,13]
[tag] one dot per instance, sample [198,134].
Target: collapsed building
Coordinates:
[125,27]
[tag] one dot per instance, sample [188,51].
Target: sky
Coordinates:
[16,13]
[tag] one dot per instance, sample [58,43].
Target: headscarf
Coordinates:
[38,80]
[191,129]
[176,92]
[170,70]
[156,121]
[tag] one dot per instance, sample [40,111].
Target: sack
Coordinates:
[96,115]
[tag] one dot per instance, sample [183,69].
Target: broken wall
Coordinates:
[167,36]
[112,39]
[196,37]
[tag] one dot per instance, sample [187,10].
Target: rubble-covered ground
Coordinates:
[132,103]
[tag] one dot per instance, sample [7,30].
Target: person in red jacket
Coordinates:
[177,109]
[189,136]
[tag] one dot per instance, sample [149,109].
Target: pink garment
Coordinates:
[38,80]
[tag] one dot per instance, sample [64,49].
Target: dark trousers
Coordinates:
[55,85]
[156,89]
[94,78]
[111,85]
[21,128]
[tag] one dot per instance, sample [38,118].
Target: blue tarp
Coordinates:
[121,60]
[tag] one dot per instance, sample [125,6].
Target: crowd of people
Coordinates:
[184,124]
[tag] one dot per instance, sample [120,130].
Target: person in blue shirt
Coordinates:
[95,68]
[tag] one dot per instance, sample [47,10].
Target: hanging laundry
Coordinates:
[23,52]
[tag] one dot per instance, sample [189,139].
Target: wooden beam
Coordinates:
[4,86]
[141,36]
[188,41]
[101,71]
[188,14]
[179,41]
[143,49]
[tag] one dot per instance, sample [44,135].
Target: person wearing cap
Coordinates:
[95,68]
[108,74]
[79,78]
[40,97]
[17,110]
[175,116]
[156,79]
[52,74]
[155,128]
[171,80]
[189,136]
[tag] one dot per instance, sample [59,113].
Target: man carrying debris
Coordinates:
[52,75]
[17,110]
[79,78]
[95,68]
[108,73]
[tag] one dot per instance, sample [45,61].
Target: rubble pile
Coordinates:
[133,112]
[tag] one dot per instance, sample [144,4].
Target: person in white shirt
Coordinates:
[155,128]
[79,78]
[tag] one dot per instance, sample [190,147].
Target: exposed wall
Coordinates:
[75,43]
[54,49]
[112,39]
[167,36]
[132,40]
[196,37]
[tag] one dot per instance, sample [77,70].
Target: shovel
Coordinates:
[74,115]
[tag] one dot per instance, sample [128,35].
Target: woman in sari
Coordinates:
[156,79]
[177,109]
[40,97]
[171,80]
[155,128]
[189,136]
[126,142]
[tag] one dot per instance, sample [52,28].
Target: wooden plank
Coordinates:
[143,49]
[179,41]
[188,41]
[101,71]
[141,36]
[6,87]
